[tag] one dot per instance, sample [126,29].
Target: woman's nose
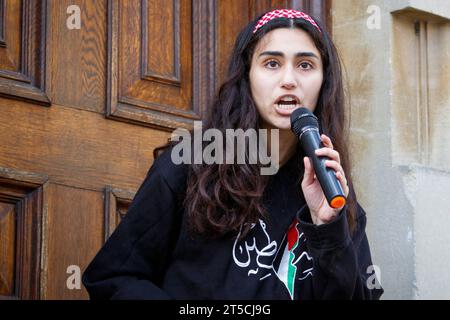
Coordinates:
[288,80]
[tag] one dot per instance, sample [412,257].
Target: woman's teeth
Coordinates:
[289,106]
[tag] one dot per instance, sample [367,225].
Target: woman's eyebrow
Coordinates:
[281,54]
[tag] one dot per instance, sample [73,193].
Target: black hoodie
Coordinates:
[151,254]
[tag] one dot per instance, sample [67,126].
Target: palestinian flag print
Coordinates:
[294,261]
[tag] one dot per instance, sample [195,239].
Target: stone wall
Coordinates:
[396,55]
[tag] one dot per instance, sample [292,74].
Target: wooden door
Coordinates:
[88,88]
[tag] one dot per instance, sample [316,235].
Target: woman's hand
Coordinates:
[320,210]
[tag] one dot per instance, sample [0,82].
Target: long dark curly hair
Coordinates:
[223,198]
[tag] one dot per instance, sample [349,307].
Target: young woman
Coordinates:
[224,231]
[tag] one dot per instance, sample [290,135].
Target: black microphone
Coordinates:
[305,126]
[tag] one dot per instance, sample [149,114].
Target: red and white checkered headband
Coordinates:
[284,13]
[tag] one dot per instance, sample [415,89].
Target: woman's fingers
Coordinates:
[339,171]
[326,141]
[330,153]
[343,182]
[308,177]
[328,150]
[334,165]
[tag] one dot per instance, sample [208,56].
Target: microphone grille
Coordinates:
[302,118]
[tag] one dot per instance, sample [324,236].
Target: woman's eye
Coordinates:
[272,64]
[305,65]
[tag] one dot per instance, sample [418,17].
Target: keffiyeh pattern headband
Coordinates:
[284,13]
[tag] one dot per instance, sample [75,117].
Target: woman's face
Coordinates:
[285,73]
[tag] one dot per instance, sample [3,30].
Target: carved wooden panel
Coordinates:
[7,245]
[116,206]
[76,58]
[21,211]
[2,23]
[73,235]
[22,50]
[159,60]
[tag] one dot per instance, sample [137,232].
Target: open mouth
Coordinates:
[287,104]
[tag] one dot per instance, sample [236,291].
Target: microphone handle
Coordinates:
[310,141]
